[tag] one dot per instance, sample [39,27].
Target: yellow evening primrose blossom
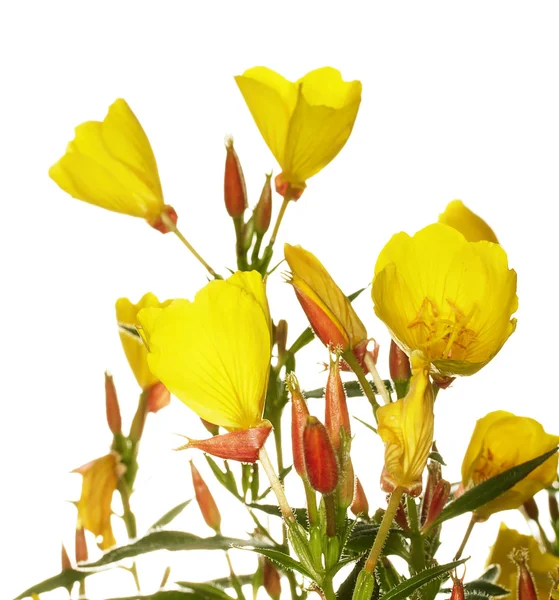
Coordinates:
[305,123]
[214,353]
[501,441]
[329,311]
[541,564]
[100,478]
[450,298]
[134,348]
[470,225]
[406,427]
[111,164]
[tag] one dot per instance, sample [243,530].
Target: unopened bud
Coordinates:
[280,337]
[81,545]
[158,397]
[360,505]
[364,586]
[346,483]
[400,369]
[553,507]
[205,500]
[211,427]
[337,416]
[526,590]
[234,188]
[531,509]
[457,588]
[65,560]
[167,220]
[283,188]
[299,414]
[433,478]
[263,210]
[111,402]
[320,458]
[437,502]
[271,580]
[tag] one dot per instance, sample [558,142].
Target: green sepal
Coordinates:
[170,515]
[226,478]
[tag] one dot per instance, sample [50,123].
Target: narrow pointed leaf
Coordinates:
[482,587]
[165,595]
[272,509]
[284,560]
[222,582]
[492,574]
[206,590]
[169,516]
[63,579]
[352,389]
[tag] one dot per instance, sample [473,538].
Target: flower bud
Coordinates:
[81,545]
[360,505]
[280,337]
[531,510]
[364,586]
[320,458]
[158,397]
[553,507]
[166,220]
[271,579]
[457,588]
[263,210]
[346,484]
[299,414]
[434,476]
[211,427]
[437,502]
[205,500]
[243,445]
[65,560]
[234,188]
[111,402]
[400,369]
[526,589]
[337,416]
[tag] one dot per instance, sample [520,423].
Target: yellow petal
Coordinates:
[111,164]
[470,225]
[214,353]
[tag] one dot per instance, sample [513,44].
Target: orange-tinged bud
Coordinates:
[205,500]
[337,416]
[234,189]
[65,560]
[320,458]
[299,414]
[360,504]
[284,188]
[158,397]
[280,337]
[211,427]
[162,222]
[400,369]
[434,476]
[531,510]
[111,402]
[81,545]
[457,588]
[243,445]
[438,499]
[262,213]
[271,579]
[526,589]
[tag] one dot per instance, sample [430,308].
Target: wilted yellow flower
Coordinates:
[134,347]
[541,564]
[450,298]
[501,441]
[329,311]
[100,478]
[214,353]
[305,123]
[470,225]
[111,164]
[406,427]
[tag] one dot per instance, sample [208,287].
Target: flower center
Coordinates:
[445,337]
[487,466]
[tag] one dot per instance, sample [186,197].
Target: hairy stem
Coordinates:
[350,359]
[276,486]
[460,550]
[377,378]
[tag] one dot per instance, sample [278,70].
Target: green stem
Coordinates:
[277,487]
[256,250]
[328,589]
[379,382]
[460,550]
[234,579]
[269,250]
[330,506]
[242,263]
[350,359]
[312,510]
[417,548]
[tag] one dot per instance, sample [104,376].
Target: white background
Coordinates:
[460,100]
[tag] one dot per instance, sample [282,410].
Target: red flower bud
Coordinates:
[320,458]
[337,416]
[234,188]
[271,579]
[161,224]
[111,402]
[299,414]
[526,590]
[360,505]
[65,560]
[433,478]
[158,397]
[283,188]
[553,507]
[81,545]
[211,427]
[243,445]
[262,213]
[400,369]
[205,500]
[457,588]
[437,502]
[531,509]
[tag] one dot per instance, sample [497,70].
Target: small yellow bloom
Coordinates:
[214,353]
[450,298]
[100,479]
[329,311]
[134,348]
[470,225]
[111,164]
[501,441]
[305,123]
[541,564]
[406,427]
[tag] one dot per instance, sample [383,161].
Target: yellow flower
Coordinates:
[450,298]
[111,164]
[470,225]
[134,348]
[329,311]
[100,479]
[406,427]
[540,563]
[214,353]
[501,441]
[305,123]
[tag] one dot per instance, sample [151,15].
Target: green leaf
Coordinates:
[206,590]
[222,582]
[226,478]
[437,457]
[352,297]
[283,474]
[170,515]
[305,338]
[165,595]
[409,586]
[352,389]
[363,535]
[272,509]
[482,587]
[366,424]
[63,579]
[284,560]
[492,574]
[490,489]
[166,540]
